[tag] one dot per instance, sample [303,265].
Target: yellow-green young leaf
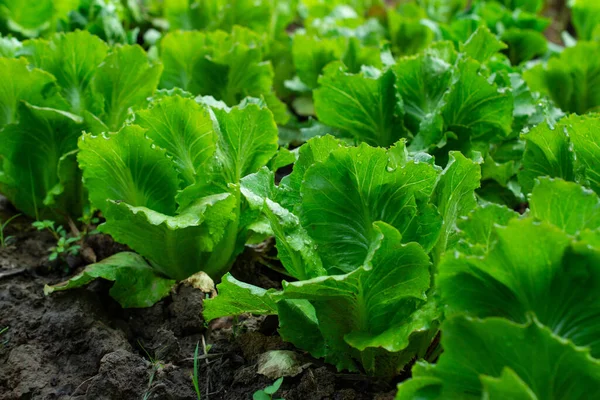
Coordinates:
[134,184]
[585,15]
[533,268]
[35,165]
[364,105]
[73,59]
[30,18]
[498,359]
[228,67]
[185,130]
[31,85]
[136,284]
[124,81]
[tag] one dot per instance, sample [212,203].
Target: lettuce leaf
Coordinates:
[496,358]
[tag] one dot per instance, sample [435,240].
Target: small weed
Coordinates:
[157,365]
[65,245]
[4,240]
[2,332]
[268,392]
[195,375]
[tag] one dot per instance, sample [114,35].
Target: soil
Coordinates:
[81,344]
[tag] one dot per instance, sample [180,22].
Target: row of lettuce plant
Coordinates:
[384,246]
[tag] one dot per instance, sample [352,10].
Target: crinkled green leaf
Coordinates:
[364,105]
[569,152]
[533,268]
[507,386]
[476,231]
[377,307]
[185,130]
[247,140]
[228,67]
[31,152]
[30,18]
[584,133]
[316,150]
[524,44]
[260,16]
[482,45]
[295,248]
[547,153]
[566,205]
[312,54]
[236,297]
[454,196]
[542,365]
[585,16]
[31,85]
[136,284]
[408,34]
[442,95]
[572,79]
[73,59]
[124,81]
[126,167]
[181,245]
[353,188]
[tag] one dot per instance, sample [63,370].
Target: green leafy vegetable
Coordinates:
[136,285]
[228,67]
[495,358]
[179,205]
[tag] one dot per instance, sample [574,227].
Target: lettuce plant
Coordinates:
[226,66]
[454,102]
[355,225]
[522,303]
[169,185]
[570,79]
[567,150]
[59,88]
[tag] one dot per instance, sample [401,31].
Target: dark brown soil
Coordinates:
[82,345]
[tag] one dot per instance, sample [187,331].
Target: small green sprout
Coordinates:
[64,244]
[268,392]
[4,240]
[195,375]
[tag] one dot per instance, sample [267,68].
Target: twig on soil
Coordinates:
[11,273]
